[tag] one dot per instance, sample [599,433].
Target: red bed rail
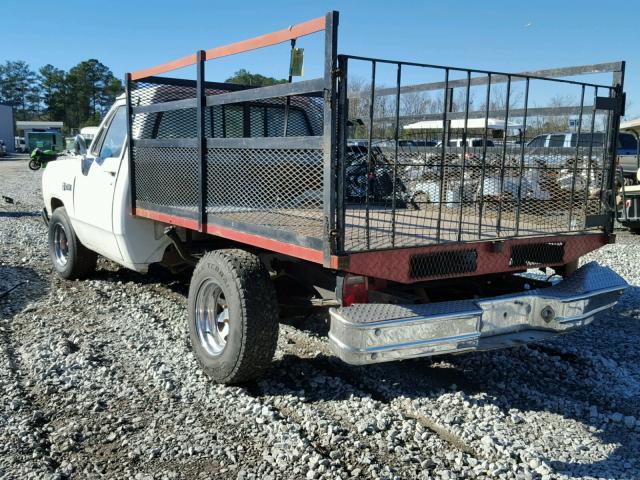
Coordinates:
[266,40]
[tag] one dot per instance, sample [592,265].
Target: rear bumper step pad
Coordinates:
[371,333]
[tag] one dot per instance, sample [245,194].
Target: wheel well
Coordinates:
[56,203]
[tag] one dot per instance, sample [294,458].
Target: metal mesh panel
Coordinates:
[440,264]
[479,199]
[263,118]
[145,93]
[167,177]
[452,160]
[276,188]
[534,254]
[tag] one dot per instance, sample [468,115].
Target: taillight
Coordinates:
[354,290]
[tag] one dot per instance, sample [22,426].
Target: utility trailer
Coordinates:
[266,189]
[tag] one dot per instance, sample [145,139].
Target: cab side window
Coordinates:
[113,140]
[538,141]
[556,141]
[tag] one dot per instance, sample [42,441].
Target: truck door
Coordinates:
[94,187]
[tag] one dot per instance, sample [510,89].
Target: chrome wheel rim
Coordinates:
[212,317]
[60,245]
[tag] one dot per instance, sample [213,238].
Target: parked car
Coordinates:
[424,143]
[630,160]
[406,144]
[555,149]
[627,144]
[20,145]
[470,142]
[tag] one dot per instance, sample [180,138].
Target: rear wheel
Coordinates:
[34,164]
[70,258]
[233,316]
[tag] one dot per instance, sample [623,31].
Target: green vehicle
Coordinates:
[45,141]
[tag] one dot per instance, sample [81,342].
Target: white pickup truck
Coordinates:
[247,186]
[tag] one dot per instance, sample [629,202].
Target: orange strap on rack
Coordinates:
[267,40]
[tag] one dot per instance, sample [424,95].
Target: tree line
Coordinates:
[78,97]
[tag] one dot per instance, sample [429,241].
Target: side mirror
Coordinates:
[79,145]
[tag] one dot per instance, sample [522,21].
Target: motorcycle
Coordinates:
[374,180]
[40,158]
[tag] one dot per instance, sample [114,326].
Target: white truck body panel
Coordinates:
[95,193]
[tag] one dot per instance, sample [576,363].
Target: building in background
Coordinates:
[7,134]
[44,135]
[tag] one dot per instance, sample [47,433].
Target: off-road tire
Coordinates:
[81,261]
[253,316]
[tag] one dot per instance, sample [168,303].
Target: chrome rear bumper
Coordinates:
[371,333]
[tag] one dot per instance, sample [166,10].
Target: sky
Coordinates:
[497,35]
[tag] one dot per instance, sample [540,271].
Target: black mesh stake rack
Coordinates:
[354,171]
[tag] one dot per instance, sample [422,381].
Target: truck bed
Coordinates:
[410,228]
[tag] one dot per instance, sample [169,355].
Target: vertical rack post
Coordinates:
[484,156]
[396,134]
[329,149]
[343,117]
[449,96]
[503,160]
[369,146]
[202,140]
[575,163]
[132,176]
[614,126]
[441,182]
[523,138]
[590,154]
[464,151]
[288,100]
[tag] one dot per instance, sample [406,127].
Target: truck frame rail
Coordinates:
[279,167]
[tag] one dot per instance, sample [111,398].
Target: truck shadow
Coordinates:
[113,273]
[584,378]
[13,214]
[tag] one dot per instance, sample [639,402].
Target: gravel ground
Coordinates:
[98,381]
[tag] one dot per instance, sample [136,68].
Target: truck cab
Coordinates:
[94,191]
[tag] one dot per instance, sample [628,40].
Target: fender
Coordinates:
[58,181]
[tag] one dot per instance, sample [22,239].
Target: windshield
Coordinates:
[627,142]
[114,139]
